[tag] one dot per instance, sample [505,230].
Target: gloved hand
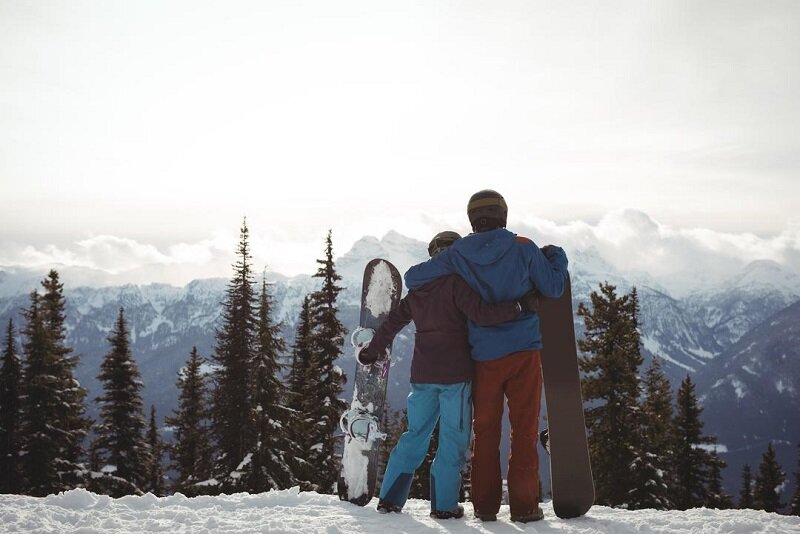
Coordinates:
[556,256]
[529,301]
[367,356]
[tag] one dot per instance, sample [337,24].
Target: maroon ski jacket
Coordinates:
[440,310]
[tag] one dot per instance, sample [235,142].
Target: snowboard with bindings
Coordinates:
[363,438]
[570,468]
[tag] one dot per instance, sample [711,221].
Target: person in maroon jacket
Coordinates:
[441,375]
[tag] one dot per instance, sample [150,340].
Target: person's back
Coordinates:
[500,265]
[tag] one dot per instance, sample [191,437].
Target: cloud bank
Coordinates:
[631,241]
[681,259]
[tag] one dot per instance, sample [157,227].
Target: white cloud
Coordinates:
[111,260]
[630,240]
[679,258]
[119,259]
[116,254]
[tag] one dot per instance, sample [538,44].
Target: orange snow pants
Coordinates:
[518,378]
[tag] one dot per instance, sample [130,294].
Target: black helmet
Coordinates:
[441,241]
[487,210]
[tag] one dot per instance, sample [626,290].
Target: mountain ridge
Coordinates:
[166,321]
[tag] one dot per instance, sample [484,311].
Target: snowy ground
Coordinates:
[80,511]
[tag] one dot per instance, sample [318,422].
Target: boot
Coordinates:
[536,515]
[385,507]
[455,514]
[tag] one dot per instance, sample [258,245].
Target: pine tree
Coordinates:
[41,406]
[270,464]
[155,472]
[794,505]
[693,463]
[234,353]
[10,415]
[769,482]
[611,385]
[328,378]
[746,491]
[716,497]
[297,381]
[74,424]
[652,468]
[53,406]
[190,452]
[120,445]
[300,397]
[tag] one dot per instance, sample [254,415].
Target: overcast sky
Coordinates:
[144,131]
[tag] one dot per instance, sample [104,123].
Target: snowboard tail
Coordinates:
[363,438]
[570,467]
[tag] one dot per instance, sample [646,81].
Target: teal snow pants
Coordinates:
[451,405]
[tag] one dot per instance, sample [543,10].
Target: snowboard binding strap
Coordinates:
[361,425]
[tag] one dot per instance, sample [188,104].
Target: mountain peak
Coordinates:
[395,236]
[401,250]
[767,275]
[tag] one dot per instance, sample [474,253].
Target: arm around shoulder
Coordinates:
[479,311]
[427,271]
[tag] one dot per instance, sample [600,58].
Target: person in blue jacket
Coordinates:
[501,266]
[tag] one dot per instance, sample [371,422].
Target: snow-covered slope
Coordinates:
[734,306]
[671,334]
[291,511]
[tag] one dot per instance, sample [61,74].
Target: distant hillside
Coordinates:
[751,394]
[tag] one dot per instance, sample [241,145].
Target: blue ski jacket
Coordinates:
[500,266]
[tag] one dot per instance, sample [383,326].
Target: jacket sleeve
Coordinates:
[480,312]
[548,269]
[399,317]
[422,273]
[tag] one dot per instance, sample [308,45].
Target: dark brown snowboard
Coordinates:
[570,469]
[380,293]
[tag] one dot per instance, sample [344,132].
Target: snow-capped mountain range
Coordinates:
[696,335]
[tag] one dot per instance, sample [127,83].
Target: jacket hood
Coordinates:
[485,248]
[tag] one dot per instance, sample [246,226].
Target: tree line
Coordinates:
[239,425]
[646,451]
[249,421]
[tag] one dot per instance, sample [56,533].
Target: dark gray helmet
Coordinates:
[441,241]
[487,210]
